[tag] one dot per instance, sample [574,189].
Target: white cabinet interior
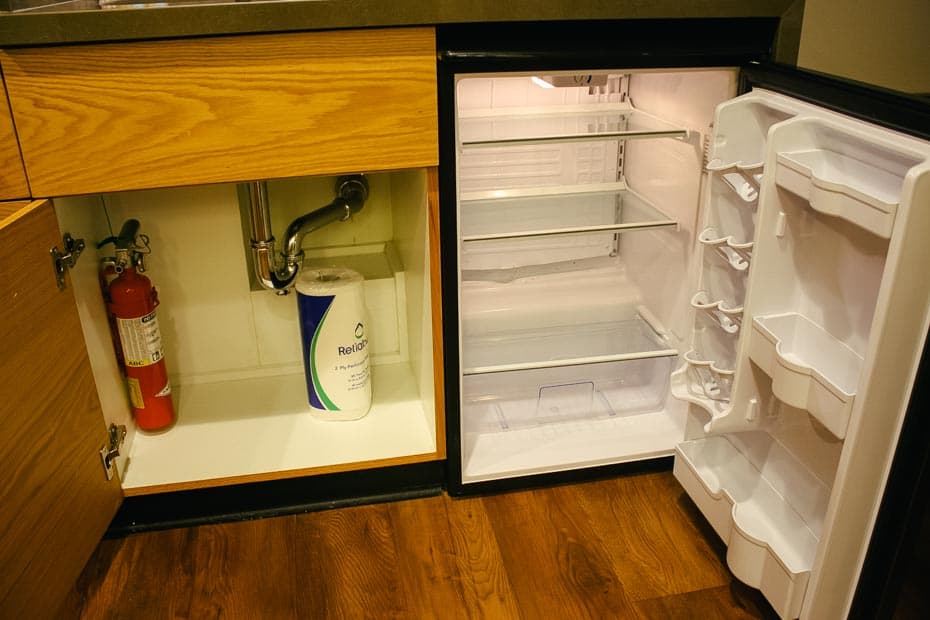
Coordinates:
[234,354]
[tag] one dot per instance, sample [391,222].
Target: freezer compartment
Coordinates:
[555,419]
[767,507]
[810,369]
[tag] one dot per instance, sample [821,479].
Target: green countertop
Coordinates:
[80,21]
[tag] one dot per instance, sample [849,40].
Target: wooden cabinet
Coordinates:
[95,118]
[12,176]
[55,501]
[197,115]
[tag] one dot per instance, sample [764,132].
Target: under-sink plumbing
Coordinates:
[276,272]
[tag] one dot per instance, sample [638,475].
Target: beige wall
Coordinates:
[882,42]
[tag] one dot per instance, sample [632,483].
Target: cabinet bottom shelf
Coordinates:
[259,429]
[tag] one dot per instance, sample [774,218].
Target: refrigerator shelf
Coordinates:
[810,369]
[561,345]
[512,214]
[843,187]
[560,124]
[770,544]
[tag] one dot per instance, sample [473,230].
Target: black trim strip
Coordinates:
[908,114]
[606,44]
[276,497]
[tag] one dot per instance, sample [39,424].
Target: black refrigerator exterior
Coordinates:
[749,45]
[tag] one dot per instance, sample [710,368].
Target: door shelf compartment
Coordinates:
[546,125]
[508,214]
[561,345]
[737,254]
[841,186]
[810,369]
[729,319]
[504,403]
[770,545]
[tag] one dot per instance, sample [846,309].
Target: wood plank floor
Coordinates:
[630,547]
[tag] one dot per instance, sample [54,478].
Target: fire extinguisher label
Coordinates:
[135,393]
[141,340]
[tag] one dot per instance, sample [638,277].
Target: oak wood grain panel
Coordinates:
[733,602]
[656,551]
[532,554]
[554,559]
[347,565]
[55,501]
[153,114]
[10,208]
[12,176]
[435,279]
[484,576]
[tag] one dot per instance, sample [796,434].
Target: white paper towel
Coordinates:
[331,306]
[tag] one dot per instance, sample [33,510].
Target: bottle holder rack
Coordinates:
[743,179]
[706,379]
[737,255]
[728,319]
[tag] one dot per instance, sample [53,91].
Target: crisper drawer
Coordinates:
[554,419]
[151,114]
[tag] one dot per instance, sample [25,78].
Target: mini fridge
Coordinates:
[707,259]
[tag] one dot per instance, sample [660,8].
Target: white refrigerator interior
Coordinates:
[652,267]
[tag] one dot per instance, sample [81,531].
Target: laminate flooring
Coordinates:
[628,547]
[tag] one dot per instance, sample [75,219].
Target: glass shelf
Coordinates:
[561,345]
[512,214]
[504,127]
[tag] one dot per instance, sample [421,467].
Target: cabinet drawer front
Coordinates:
[12,176]
[126,116]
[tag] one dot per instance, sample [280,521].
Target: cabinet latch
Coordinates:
[115,436]
[64,260]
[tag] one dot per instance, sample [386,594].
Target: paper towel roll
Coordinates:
[331,306]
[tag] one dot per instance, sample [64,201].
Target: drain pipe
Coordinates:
[351,194]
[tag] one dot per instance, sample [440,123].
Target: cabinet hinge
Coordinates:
[115,436]
[64,260]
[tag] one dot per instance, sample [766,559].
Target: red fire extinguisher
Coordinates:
[132,300]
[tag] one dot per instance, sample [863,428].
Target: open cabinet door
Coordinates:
[55,499]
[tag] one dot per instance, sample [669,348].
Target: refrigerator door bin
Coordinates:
[771,542]
[843,174]
[519,213]
[560,124]
[810,369]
